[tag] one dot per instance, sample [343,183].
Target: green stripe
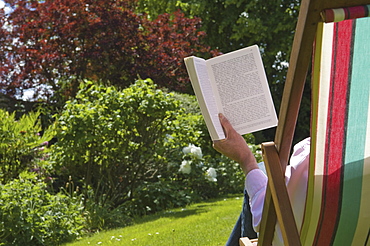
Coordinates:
[356,134]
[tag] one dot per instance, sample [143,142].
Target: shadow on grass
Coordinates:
[177,213]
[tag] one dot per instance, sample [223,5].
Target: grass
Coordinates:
[207,223]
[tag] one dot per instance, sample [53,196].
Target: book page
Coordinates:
[242,90]
[205,96]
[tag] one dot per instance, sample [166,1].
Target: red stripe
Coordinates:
[329,15]
[356,12]
[335,133]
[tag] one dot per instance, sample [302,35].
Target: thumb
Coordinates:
[225,123]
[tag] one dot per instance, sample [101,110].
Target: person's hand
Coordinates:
[235,147]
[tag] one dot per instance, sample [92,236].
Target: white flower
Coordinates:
[185,167]
[193,150]
[211,174]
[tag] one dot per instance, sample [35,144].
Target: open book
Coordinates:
[235,85]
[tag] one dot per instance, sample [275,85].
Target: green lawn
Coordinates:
[207,223]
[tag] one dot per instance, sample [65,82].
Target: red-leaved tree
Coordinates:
[52,45]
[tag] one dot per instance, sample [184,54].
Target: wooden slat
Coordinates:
[244,241]
[296,77]
[280,195]
[289,108]
[330,4]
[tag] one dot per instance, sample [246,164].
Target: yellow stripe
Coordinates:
[339,14]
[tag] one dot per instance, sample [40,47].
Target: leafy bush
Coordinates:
[138,151]
[20,143]
[32,216]
[192,176]
[156,196]
[230,178]
[100,214]
[113,141]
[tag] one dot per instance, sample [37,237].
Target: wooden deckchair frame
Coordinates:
[276,154]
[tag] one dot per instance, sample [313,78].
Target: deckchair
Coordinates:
[337,203]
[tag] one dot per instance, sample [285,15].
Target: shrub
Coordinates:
[230,178]
[20,142]
[113,141]
[32,216]
[139,151]
[156,196]
[100,214]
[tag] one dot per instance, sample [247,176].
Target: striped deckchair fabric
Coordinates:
[338,200]
[340,14]
[337,210]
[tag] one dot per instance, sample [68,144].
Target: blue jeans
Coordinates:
[243,227]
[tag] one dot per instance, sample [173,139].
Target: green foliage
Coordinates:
[230,178]
[188,103]
[99,215]
[20,143]
[32,216]
[233,24]
[268,23]
[157,196]
[115,140]
[138,151]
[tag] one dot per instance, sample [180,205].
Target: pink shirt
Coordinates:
[296,176]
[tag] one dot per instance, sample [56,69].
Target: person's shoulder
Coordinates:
[301,152]
[304,144]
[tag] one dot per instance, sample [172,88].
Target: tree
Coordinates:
[51,46]
[233,24]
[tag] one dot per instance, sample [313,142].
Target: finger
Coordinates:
[217,144]
[219,141]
